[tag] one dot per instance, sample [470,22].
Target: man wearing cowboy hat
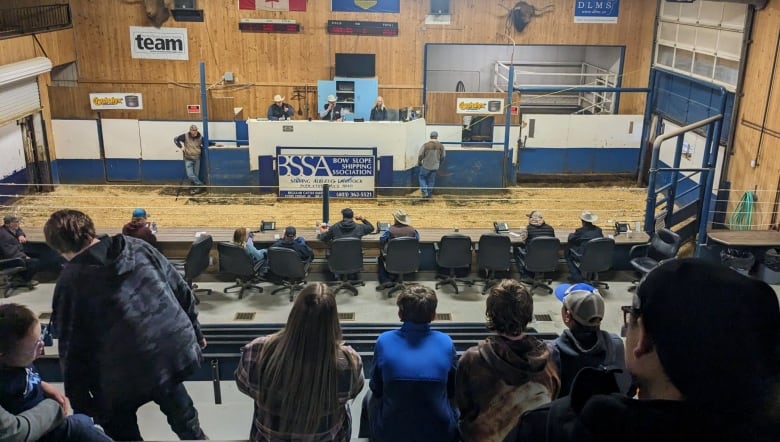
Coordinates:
[401,228]
[577,240]
[279,110]
[331,111]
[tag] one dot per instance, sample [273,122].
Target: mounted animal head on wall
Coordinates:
[158,11]
[522,13]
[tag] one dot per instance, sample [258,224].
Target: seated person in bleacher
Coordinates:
[298,244]
[12,240]
[506,374]
[702,344]
[137,228]
[577,239]
[379,111]
[536,228]
[302,377]
[21,387]
[347,227]
[411,397]
[583,343]
[401,228]
[246,239]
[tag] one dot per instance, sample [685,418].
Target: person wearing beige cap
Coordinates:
[536,228]
[401,228]
[331,111]
[583,343]
[577,240]
[191,144]
[279,110]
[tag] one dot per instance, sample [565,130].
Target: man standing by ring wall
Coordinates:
[430,159]
[191,144]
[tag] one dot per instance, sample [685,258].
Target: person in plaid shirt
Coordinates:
[302,377]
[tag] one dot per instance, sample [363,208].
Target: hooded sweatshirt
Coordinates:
[140,231]
[500,379]
[347,228]
[599,349]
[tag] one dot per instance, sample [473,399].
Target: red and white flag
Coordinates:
[273,5]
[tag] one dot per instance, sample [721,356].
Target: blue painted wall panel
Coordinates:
[55,172]
[471,168]
[242,132]
[81,171]
[162,171]
[123,169]
[577,160]
[229,167]
[8,191]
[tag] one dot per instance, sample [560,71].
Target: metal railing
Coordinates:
[20,21]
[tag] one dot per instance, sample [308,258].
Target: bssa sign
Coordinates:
[159,44]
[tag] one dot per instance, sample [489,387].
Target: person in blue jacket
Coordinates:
[413,382]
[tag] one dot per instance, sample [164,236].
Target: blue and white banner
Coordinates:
[388,6]
[596,11]
[303,171]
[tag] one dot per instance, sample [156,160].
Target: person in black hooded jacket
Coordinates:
[505,375]
[347,227]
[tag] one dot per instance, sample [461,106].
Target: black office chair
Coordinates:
[453,252]
[540,256]
[494,254]
[289,269]
[402,257]
[645,257]
[197,262]
[346,258]
[8,269]
[235,260]
[596,257]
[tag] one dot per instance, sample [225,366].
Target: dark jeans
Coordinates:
[574,272]
[32,265]
[382,274]
[174,402]
[77,428]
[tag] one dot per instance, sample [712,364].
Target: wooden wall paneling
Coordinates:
[58,46]
[16,49]
[275,63]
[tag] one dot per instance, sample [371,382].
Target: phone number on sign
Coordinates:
[353,194]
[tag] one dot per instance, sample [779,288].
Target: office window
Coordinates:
[702,39]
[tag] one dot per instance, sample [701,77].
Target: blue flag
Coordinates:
[391,6]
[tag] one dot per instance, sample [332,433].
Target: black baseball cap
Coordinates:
[289,232]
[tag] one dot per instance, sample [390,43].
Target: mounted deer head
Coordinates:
[157,11]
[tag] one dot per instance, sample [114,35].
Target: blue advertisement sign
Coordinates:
[388,6]
[302,172]
[595,11]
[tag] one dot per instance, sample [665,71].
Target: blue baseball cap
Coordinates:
[140,213]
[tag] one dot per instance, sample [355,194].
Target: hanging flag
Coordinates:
[391,6]
[273,5]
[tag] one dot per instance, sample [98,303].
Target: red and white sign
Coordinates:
[273,5]
[193,108]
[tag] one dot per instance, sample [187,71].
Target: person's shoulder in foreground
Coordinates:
[702,343]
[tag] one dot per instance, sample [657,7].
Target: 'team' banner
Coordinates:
[273,5]
[391,6]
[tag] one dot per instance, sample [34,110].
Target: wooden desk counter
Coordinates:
[745,238]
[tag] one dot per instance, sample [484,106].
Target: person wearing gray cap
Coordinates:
[430,158]
[12,240]
[577,240]
[191,144]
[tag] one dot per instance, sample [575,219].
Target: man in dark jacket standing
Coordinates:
[577,239]
[127,327]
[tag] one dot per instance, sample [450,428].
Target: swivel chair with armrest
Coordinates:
[196,263]
[8,269]
[596,257]
[235,260]
[345,259]
[540,256]
[663,245]
[286,265]
[402,257]
[453,252]
[494,254]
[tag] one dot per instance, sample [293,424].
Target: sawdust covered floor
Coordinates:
[111,206]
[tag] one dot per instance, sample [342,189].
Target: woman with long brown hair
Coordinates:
[302,376]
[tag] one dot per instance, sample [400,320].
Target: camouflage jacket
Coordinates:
[126,323]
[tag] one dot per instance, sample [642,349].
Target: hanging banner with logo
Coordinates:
[480,106]
[302,171]
[273,5]
[159,43]
[596,11]
[388,6]
[119,100]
